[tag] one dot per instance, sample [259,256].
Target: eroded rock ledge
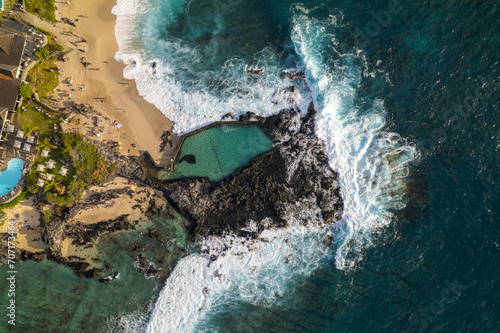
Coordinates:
[296,169]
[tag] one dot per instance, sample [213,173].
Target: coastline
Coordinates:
[143,124]
[114,98]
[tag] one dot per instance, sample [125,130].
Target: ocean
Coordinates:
[406,95]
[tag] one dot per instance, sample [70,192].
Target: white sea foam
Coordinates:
[191,98]
[253,271]
[372,163]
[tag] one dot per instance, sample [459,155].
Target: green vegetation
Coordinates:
[89,165]
[44,77]
[28,129]
[58,47]
[15,201]
[47,216]
[85,165]
[45,144]
[43,8]
[88,168]
[25,90]
[42,53]
[51,40]
[43,122]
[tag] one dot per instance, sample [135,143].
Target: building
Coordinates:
[12,46]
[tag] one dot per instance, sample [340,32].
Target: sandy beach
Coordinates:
[105,87]
[114,97]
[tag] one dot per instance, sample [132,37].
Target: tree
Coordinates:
[28,128]
[50,185]
[42,53]
[25,90]
[46,144]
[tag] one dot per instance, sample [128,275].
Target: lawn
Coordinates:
[39,119]
[44,124]
[44,77]
[43,8]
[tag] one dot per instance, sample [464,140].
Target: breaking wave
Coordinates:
[372,162]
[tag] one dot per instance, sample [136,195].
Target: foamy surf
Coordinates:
[175,74]
[255,271]
[372,162]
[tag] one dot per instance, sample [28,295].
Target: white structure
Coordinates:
[50,164]
[63,171]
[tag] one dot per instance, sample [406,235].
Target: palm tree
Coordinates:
[50,185]
[46,144]
[28,128]
[53,184]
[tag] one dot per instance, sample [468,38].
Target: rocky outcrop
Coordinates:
[295,170]
[191,159]
[252,199]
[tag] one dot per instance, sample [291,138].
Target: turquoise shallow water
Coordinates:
[51,298]
[219,151]
[10,176]
[431,71]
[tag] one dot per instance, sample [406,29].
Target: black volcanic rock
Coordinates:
[295,170]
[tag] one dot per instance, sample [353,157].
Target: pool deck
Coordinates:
[8,152]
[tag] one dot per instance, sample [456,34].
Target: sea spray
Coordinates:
[372,163]
[256,271]
[174,74]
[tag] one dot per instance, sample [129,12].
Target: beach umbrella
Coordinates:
[121,148]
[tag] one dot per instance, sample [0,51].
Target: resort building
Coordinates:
[12,46]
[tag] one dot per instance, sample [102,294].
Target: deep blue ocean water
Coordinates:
[426,70]
[407,99]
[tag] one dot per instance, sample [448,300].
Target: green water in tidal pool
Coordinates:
[219,151]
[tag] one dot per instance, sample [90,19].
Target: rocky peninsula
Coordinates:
[243,203]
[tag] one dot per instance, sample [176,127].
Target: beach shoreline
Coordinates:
[105,87]
[115,99]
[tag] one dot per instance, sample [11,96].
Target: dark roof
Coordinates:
[6,43]
[11,52]
[8,93]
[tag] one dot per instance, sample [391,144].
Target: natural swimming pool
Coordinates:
[218,151]
[10,177]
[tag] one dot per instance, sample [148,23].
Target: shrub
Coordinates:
[15,201]
[25,90]
[47,216]
[42,53]
[58,47]
[44,77]
[90,166]
[31,185]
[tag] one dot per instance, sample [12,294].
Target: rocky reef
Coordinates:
[295,169]
[253,198]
